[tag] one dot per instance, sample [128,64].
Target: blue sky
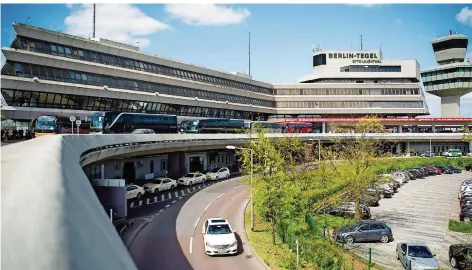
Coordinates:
[283,35]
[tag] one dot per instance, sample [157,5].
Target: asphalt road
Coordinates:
[165,243]
[420,212]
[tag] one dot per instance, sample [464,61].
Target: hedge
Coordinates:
[387,165]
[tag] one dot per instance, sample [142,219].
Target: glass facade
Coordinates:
[450,44]
[78,77]
[453,80]
[446,71]
[319,59]
[36,99]
[113,60]
[350,104]
[350,91]
[371,68]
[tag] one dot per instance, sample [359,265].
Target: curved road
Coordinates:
[173,239]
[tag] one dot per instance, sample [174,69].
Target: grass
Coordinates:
[458,226]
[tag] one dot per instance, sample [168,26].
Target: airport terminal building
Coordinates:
[51,73]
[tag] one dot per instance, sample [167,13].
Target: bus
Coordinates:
[57,124]
[291,127]
[189,126]
[270,126]
[121,122]
[221,125]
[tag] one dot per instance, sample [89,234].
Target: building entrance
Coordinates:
[196,164]
[129,172]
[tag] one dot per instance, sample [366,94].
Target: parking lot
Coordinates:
[420,211]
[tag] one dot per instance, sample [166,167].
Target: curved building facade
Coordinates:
[48,72]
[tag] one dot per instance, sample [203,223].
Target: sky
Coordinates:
[282,35]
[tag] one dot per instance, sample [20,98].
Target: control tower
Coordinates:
[453,77]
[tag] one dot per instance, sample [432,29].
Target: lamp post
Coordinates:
[319,148]
[230,147]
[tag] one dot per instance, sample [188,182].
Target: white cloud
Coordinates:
[465,16]
[207,14]
[365,5]
[118,22]
[398,20]
[69,6]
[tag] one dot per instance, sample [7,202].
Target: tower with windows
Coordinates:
[453,77]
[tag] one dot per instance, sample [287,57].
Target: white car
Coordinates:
[160,184]
[134,191]
[219,237]
[218,173]
[465,184]
[191,178]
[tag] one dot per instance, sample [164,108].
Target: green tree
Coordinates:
[467,137]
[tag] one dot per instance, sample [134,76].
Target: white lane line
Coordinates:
[155,199]
[221,195]
[140,203]
[176,194]
[182,192]
[162,197]
[237,186]
[174,201]
[167,205]
[147,201]
[208,206]
[191,241]
[160,211]
[196,223]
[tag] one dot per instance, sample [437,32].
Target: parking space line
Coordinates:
[179,198]
[131,205]
[188,190]
[162,197]
[174,201]
[155,199]
[176,194]
[191,241]
[170,195]
[182,192]
[140,202]
[167,205]
[160,211]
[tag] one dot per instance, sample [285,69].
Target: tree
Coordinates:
[352,157]
[467,137]
[273,161]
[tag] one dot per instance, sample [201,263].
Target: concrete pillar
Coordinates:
[176,164]
[323,127]
[470,147]
[407,149]
[399,148]
[434,128]
[102,171]
[450,106]
[400,129]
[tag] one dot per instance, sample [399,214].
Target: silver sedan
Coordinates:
[416,256]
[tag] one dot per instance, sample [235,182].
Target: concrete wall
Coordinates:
[113,171]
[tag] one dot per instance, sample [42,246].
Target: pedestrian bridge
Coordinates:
[51,217]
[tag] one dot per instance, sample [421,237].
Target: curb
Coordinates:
[136,232]
[247,239]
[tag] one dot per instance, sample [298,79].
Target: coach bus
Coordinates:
[189,126]
[57,124]
[271,127]
[116,122]
[221,125]
[291,127]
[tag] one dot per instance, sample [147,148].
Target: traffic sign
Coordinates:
[72,118]
[78,122]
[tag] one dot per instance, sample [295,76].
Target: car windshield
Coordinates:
[157,181]
[139,131]
[219,229]
[190,175]
[419,252]
[214,170]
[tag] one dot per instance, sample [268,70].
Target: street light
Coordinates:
[319,148]
[231,147]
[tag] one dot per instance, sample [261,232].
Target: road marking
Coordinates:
[147,201]
[140,203]
[155,199]
[132,205]
[180,198]
[193,188]
[196,223]
[176,194]
[208,206]
[188,191]
[174,201]
[170,195]
[191,241]
[237,186]
[199,187]
[162,197]
[182,192]
[167,205]
[220,195]
[160,211]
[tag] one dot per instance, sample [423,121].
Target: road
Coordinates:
[173,240]
[419,212]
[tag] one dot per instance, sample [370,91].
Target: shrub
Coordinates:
[458,226]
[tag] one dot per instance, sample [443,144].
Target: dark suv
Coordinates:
[445,169]
[454,169]
[460,256]
[365,231]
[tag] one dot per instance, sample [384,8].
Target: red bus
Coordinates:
[294,127]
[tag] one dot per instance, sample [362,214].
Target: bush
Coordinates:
[458,226]
[388,165]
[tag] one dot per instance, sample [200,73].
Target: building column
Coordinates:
[434,128]
[102,171]
[400,129]
[399,148]
[176,164]
[470,147]
[323,127]
[407,149]
[450,106]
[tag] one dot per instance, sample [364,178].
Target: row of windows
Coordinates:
[350,104]
[113,60]
[450,44]
[371,69]
[319,59]
[454,80]
[380,80]
[75,102]
[446,71]
[63,75]
[332,92]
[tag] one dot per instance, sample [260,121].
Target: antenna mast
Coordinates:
[93,20]
[249,53]
[361,43]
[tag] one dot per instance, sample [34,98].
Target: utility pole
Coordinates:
[93,20]
[249,53]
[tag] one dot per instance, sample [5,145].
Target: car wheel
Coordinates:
[349,239]
[156,191]
[190,183]
[217,178]
[453,262]
[227,176]
[384,239]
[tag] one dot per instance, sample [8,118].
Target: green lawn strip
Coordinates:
[460,226]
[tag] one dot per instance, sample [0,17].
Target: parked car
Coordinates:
[365,231]
[454,153]
[160,184]
[430,170]
[435,170]
[405,176]
[465,183]
[460,256]
[427,154]
[465,213]
[218,173]
[347,210]
[386,190]
[422,171]
[191,178]
[416,256]
[468,168]
[416,173]
[454,169]
[143,131]
[372,197]
[445,169]
[134,191]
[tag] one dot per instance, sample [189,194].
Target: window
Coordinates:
[163,165]
[54,49]
[151,166]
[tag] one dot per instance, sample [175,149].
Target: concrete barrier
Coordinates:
[51,217]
